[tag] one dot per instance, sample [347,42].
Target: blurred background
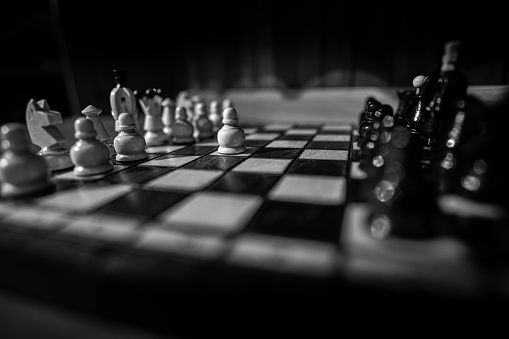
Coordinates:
[65,51]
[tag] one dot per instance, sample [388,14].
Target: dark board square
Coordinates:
[136,162]
[140,202]
[307,124]
[256,143]
[318,167]
[236,182]
[136,174]
[277,153]
[214,162]
[304,221]
[331,145]
[195,150]
[296,137]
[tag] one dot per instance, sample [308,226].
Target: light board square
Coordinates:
[262,165]
[212,212]
[84,199]
[301,131]
[184,179]
[340,127]
[331,137]
[311,189]
[277,126]
[164,148]
[170,161]
[262,136]
[324,154]
[287,144]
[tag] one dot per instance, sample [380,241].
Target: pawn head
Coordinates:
[230,116]
[418,81]
[126,122]
[84,128]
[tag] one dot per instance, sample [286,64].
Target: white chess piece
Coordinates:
[129,144]
[231,137]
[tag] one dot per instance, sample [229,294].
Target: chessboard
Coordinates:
[292,231]
[278,222]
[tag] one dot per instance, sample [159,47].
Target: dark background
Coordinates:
[65,51]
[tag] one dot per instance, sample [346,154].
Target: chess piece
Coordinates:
[366,118]
[153,125]
[129,144]
[201,123]
[182,129]
[231,137]
[168,114]
[42,127]
[122,99]
[22,172]
[92,113]
[215,116]
[408,98]
[89,155]
[184,100]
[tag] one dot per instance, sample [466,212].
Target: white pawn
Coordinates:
[92,113]
[231,137]
[89,155]
[129,144]
[182,130]
[215,116]
[202,124]
[168,115]
[22,172]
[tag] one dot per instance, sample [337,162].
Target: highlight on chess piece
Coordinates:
[42,124]
[129,144]
[89,155]
[22,172]
[231,137]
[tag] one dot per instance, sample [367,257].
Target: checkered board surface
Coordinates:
[284,207]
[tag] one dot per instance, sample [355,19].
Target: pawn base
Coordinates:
[81,171]
[231,150]
[131,157]
[155,139]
